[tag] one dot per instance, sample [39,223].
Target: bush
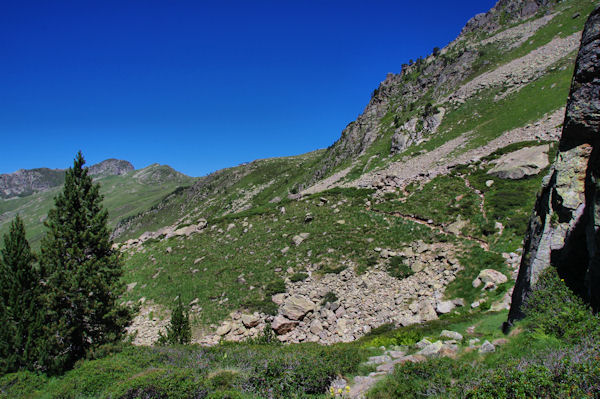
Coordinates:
[298,277]
[266,337]
[398,269]
[274,287]
[554,309]
[330,297]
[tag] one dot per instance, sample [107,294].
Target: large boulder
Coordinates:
[297,306]
[562,231]
[281,325]
[490,278]
[519,164]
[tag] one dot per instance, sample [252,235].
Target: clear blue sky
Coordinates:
[199,85]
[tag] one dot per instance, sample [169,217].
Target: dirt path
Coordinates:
[480,194]
[440,228]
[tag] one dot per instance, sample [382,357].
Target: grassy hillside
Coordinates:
[260,241]
[124,196]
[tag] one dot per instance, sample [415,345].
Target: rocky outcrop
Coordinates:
[110,167]
[563,229]
[510,10]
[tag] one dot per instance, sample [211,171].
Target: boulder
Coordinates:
[282,325]
[451,335]
[250,320]
[445,307]
[224,328]
[298,239]
[490,277]
[279,298]
[487,347]
[519,164]
[431,349]
[316,327]
[296,307]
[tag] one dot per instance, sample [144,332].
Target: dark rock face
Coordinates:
[564,230]
[111,167]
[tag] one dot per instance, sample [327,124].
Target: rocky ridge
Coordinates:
[25,182]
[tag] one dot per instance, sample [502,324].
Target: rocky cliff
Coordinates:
[564,227]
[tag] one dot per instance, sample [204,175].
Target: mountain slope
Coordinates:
[126,192]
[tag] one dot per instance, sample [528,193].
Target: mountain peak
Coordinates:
[111,167]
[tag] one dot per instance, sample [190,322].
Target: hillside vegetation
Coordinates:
[380,267]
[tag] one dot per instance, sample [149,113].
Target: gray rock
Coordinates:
[451,334]
[224,328]
[431,349]
[487,347]
[299,239]
[445,307]
[563,231]
[374,360]
[422,343]
[250,320]
[282,325]
[519,164]
[296,307]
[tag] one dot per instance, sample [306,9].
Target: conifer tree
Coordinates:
[178,330]
[20,311]
[82,273]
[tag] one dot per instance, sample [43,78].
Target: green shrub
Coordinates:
[266,337]
[298,277]
[330,297]
[398,269]
[224,380]
[332,270]
[274,287]
[554,309]
[404,337]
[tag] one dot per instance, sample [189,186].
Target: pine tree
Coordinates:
[178,330]
[20,311]
[82,273]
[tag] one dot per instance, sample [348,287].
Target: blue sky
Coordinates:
[199,85]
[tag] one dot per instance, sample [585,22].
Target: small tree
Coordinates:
[82,273]
[436,51]
[20,314]
[179,330]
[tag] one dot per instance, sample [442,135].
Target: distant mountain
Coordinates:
[111,167]
[25,182]
[126,191]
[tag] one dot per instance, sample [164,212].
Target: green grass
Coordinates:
[257,253]
[246,370]
[123,196]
